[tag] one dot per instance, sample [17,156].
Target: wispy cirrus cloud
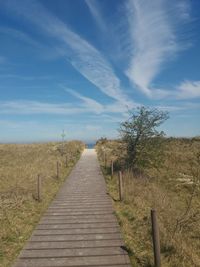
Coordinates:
[12,124]
[46,52]
[94,8]
[24,77]
[96,107]
[14,33]
[88,102]
[26,107]
[86,106]
[154,39]
[84,57]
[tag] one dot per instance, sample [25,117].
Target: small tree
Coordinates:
[141,136]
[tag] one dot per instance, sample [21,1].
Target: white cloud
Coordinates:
[117,107]
[84,57]
[34,107]
[185,90]
[89,103]
[96,107]
[19,35]
[46,52]
[178,107]
[184,10]
[25,78]
[94,8]
[154,39]
[19,124]
[170,108]
[188,89]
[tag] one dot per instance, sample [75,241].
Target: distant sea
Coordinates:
[90,145]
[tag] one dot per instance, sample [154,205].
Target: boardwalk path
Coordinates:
[79,228]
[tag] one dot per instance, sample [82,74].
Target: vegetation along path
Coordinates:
[79,227]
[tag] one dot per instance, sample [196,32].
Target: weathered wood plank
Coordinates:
[113,260]
[80,216]
[85,220]
[81,206]
[75,237]
[77,226]
[77,231]
[73,244]
[79,213]
[76,252]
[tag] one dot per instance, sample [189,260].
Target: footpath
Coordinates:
[79,228]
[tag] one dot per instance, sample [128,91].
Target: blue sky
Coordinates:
[79,65]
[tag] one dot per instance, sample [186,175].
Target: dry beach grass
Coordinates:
[173,190]
[19,166]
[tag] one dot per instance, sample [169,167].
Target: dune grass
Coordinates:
[173,190]
[20,211]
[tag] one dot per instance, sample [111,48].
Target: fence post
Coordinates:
[57,170]
[156,239]
[105,159]
[39,197]
[121,191]
[112,168]
[66,161]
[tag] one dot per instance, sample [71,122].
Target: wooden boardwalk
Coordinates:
[79,227]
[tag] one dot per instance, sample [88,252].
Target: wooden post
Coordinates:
[156,239]
[121,191]
[66,161]
[57,170]
[39,195]
[112,168]
[104,158]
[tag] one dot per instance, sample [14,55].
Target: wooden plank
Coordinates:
[73,244]
[77,231]
[76,252]
[75,237]
[113,260]
[80,208]
[79,216]
[77,226]
[79,213]
[95,197]
[91,203]
[85,220]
